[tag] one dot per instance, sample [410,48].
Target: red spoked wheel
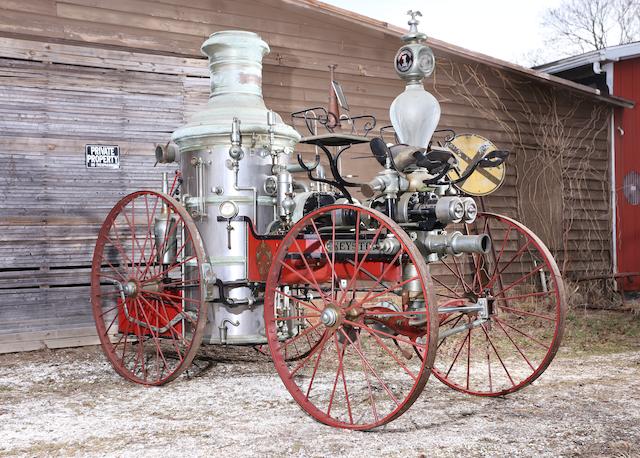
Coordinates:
[513,338]
[147,290]
[349,289]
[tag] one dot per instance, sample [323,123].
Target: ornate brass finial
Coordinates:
[413,35]
[413,22]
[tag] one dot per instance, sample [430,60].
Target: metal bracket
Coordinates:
[209,279]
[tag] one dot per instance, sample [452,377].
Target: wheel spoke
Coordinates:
[488,362]
[344,380]
[106,332]
[386,334]
[104,312]
[331,260]
[527,316]
[407,313]
[499,257]
[520,280]
[322,344]
[307,358]
[459,318]
[332,284]
[150,232]
[368,297]
[498,355]
[169,269]
[134,241]
[458,352]
[350,285]
[525,313]
[153,346]
[390,353]
[170,296]
[469,354]
[533,339]
[457,296]
[308,305]
[304,279]
[457,273]
[478,262]
[127,262]
[515,345]
[299,336]
[155,337]
[372,401]
[386,291]
[340,354]
[313,278]
[373,372]
[297,317]
[513,258]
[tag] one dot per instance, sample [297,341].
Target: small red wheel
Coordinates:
[349,288]
[520,284]
[147,291]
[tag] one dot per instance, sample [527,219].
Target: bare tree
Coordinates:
[585,25]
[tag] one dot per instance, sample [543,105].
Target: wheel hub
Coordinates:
[130,288]
[329,317]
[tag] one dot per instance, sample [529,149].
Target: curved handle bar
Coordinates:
[381,152]
[492,159]
[333,165]
[338,183]
[308,168]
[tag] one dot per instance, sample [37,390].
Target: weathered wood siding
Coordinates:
[128,72]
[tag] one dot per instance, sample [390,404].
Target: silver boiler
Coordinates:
[233,156]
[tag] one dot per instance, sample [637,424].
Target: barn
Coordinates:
[616,70]
[126,73]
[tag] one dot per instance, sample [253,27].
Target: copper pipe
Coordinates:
[334,109]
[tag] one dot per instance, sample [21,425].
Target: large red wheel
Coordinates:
[520,284]
[147,291]
[350,296]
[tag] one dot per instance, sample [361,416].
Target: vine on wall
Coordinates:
[559,148]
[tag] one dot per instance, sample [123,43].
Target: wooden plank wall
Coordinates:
[52,206]
[129,72]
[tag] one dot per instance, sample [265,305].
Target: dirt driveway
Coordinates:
[70,402]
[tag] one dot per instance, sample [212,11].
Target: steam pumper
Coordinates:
[351,288]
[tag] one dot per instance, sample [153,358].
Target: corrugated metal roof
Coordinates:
[610,54]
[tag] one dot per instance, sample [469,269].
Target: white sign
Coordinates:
[104,156]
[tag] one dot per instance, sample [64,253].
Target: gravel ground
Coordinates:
[71,403]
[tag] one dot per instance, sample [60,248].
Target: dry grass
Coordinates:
[601,331]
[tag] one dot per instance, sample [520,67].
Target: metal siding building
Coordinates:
[129,72]
[616,70]
[627,84]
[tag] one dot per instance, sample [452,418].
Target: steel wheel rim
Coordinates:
[516,355]
[355,343]
[163,321]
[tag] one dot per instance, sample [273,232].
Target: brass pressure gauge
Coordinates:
[228,209]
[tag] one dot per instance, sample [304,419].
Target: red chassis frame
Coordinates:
[264,247]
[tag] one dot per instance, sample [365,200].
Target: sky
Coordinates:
[506,29]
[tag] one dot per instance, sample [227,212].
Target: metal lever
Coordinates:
[229,229]
[223,329]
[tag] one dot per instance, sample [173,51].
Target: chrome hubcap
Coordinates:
[329,317]
[130,288]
